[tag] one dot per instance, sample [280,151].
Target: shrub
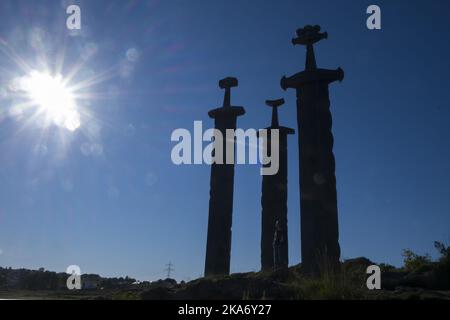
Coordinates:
[416,263]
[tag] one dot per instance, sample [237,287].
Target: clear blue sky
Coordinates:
[108,198]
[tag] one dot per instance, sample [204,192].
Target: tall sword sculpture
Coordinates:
[218,247]
[318,200]
[274,196]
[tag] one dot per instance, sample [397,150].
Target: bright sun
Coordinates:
[53,98]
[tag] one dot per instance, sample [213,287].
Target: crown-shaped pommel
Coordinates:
[309,35]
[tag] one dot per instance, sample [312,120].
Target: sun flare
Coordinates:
[53,98]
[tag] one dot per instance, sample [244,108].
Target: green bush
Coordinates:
[416,263]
